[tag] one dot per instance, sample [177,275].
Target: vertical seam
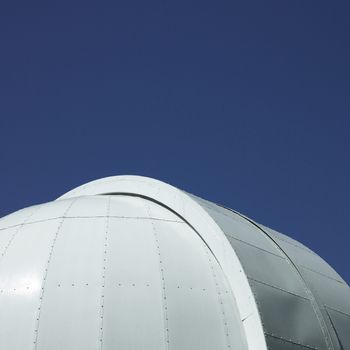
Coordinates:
[104,267]
[161,273]
[37,323]
[220,299]
[19,228]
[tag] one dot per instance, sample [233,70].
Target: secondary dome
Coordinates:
[132,263]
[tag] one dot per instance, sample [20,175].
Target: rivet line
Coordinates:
[220,299]
[42,290]
[161,269]
[103,278]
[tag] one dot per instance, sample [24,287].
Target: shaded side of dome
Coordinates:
[303,302]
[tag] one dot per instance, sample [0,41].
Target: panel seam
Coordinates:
[256,247]
[336,310]
[14,235]
[321,274]
[91,217]
[162,277]
[221,304]
[42,291]
[103,278]
[275,287]
[291,341]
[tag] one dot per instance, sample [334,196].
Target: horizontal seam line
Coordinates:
[124,217]
[275,287]
[254,246]
[332,308]
[90,217]
[320,273]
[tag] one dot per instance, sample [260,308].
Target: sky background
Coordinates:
[242,103]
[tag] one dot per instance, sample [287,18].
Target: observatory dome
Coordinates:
[132,263]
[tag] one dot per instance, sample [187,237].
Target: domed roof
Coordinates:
[129,262]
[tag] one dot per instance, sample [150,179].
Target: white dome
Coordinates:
[132,263]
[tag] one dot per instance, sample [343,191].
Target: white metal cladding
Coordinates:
[130,263]
[111,272]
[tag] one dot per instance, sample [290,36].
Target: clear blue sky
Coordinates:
[244,103]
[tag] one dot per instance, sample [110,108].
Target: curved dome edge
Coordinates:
[213,236]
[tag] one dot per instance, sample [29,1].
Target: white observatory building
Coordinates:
[132,263]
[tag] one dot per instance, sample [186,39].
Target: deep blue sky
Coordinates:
[244,103]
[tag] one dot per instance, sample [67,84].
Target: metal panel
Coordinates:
[269,268]
[310,261]
[288,317]
[71,298]
[6,236]
[21,273]
[274,343]
[329,292]
[132,297]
